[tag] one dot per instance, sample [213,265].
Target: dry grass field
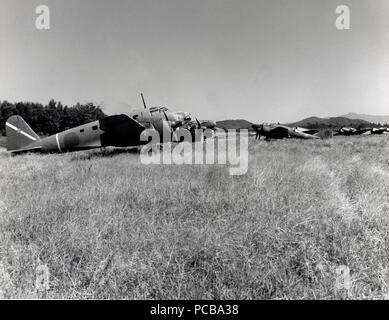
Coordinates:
[107,226]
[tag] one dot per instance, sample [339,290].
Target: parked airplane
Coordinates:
[117,131]
[280,131]
[380,131]
[349,131]
[308,131]
[208,124]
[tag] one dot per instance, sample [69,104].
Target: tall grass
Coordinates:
[107,226]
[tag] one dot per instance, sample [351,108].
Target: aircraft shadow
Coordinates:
[104,153]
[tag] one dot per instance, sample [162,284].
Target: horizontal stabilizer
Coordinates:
[31,149]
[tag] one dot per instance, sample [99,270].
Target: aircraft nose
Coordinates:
[171,117]
[211,124]
[176,124]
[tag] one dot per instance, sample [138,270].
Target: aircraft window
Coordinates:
[82,130]
[95,127]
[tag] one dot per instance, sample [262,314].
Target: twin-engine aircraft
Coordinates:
[349,131]
[280,132]
[273,131]
[117,131]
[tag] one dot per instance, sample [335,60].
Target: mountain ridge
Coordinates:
[314,122]
[332,122]
[378,119]
[234,124]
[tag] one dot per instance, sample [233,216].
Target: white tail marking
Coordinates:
[20,131]
[58,145]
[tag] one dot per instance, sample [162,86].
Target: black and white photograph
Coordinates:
[194,150]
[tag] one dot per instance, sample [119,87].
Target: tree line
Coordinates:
[51,118]
[338,125]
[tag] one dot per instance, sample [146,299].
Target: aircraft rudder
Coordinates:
[19,134]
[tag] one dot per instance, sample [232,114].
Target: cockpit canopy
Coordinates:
[186,116]
[160,109]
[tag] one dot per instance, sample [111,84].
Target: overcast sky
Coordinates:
[260,60]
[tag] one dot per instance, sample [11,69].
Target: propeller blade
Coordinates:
[143,99]
[198,123]
[176,124]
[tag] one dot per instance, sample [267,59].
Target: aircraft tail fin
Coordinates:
[19,134]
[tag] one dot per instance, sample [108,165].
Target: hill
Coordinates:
[334,122]
[234,124]
[370,118]
[350,120]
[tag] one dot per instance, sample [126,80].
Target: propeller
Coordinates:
[143,99]
[198,124]
[258,128]
[172,126]
[176,124]
[209,124]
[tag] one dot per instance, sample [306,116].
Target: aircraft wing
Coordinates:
[311,132]
[120,131]
[303,135]
[280,131]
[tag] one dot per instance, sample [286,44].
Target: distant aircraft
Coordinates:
[208,124]
[280,132]
[349,131]
[308,131]
[117,131]
[380,131]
